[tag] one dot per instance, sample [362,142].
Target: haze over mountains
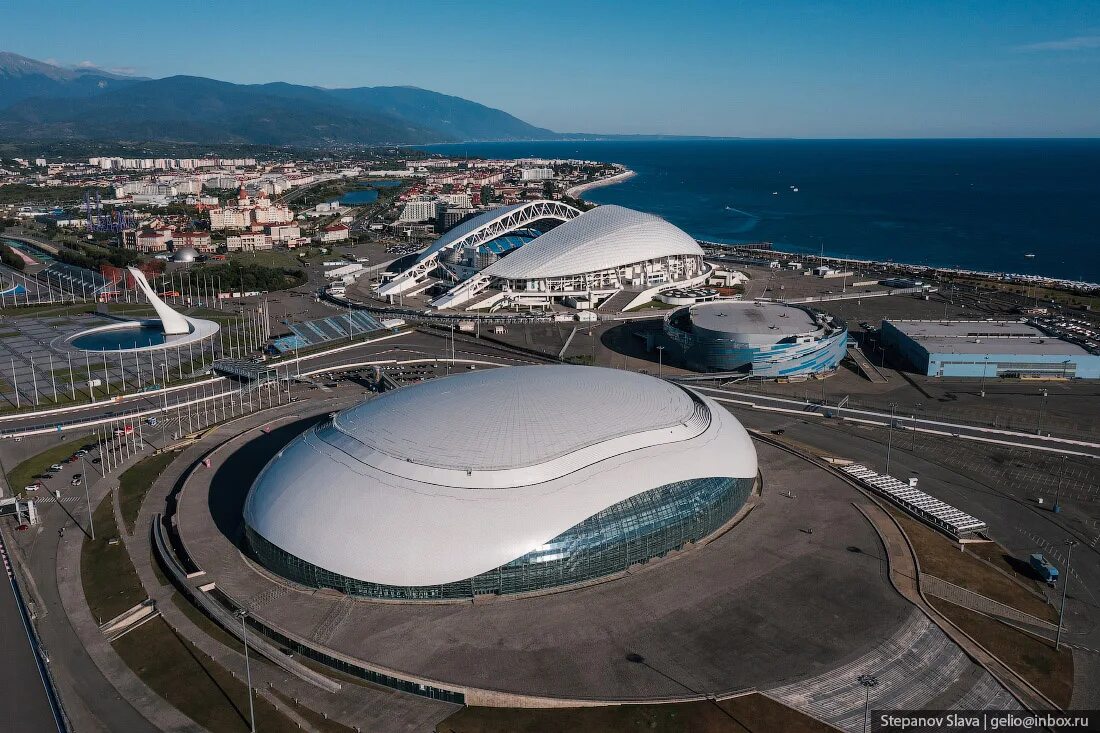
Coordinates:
[46,103]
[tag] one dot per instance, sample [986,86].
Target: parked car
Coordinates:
[33,487]
[56,467]
[77,480]
[95,460]
[46,475]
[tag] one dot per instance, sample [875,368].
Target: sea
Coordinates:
[974,204]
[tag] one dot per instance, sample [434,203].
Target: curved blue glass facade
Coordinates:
[632,531]
[713,351]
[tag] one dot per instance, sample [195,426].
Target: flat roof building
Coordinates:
[987,348]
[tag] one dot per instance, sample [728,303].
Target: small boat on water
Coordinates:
[1030,254]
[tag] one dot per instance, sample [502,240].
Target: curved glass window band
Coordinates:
[632,531]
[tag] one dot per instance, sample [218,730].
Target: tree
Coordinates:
[9,258]
[486,194]
[548,189]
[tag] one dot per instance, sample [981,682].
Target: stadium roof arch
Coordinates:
[481,228]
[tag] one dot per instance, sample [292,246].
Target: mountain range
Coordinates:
[41,102]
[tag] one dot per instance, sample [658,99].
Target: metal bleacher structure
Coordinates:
[323,330]
[927,508]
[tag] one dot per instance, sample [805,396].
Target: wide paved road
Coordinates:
[25,705]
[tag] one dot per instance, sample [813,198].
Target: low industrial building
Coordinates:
[989,349]
[765,339]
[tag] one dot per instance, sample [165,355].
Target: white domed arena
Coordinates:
[504,481]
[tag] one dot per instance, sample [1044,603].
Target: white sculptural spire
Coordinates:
[172,322]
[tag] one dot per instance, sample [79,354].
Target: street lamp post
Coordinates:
[660,361]
[1042,404]
[87,496]
[868,681]
[1065,587]
[247,671]
[890,437]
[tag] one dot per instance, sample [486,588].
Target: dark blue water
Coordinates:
[358,198]
[122,338]
[366,195]
[976,204]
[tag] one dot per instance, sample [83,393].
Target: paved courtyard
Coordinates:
[798,587]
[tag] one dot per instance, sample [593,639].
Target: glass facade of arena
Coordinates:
[638,529]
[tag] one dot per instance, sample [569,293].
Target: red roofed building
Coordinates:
[334,233]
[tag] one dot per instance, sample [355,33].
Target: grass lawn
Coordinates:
[271,258]
[134,484]
[53,309]
[737,715]
[198,687]
[1018,568]
[25,472]
[942,558]
[1035,660]
[653,305]
[111,584]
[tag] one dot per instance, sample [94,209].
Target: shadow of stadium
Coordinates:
[233,478]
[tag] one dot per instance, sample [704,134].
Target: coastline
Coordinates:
[576,191]
[917,269]
[913,268]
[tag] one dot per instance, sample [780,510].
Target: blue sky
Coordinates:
[759,69]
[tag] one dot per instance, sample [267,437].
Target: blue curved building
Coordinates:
[765,339]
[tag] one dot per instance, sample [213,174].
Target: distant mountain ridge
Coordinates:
[46,103]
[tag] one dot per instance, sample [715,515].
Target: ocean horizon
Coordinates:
[982,204]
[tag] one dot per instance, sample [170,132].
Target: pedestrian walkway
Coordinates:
[915,667]
[940,588]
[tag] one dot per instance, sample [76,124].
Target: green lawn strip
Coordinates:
[198,687]
[134,483]
[8,334]
[1033,659]
[942,558]
[652,305]
[25,472]
[998,556]
[318,721]
[54,309]
[111,585]
[737,715]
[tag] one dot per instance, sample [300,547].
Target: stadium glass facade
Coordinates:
[632,531]
[707,350]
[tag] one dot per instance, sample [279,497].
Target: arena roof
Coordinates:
[756,317]
[532,417]
[441,481]
[985,337]
[599,239]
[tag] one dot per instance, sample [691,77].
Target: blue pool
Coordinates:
[135,337]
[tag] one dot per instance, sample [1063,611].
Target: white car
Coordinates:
[32,487]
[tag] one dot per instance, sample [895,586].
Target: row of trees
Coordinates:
[248,276]
[9,258]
